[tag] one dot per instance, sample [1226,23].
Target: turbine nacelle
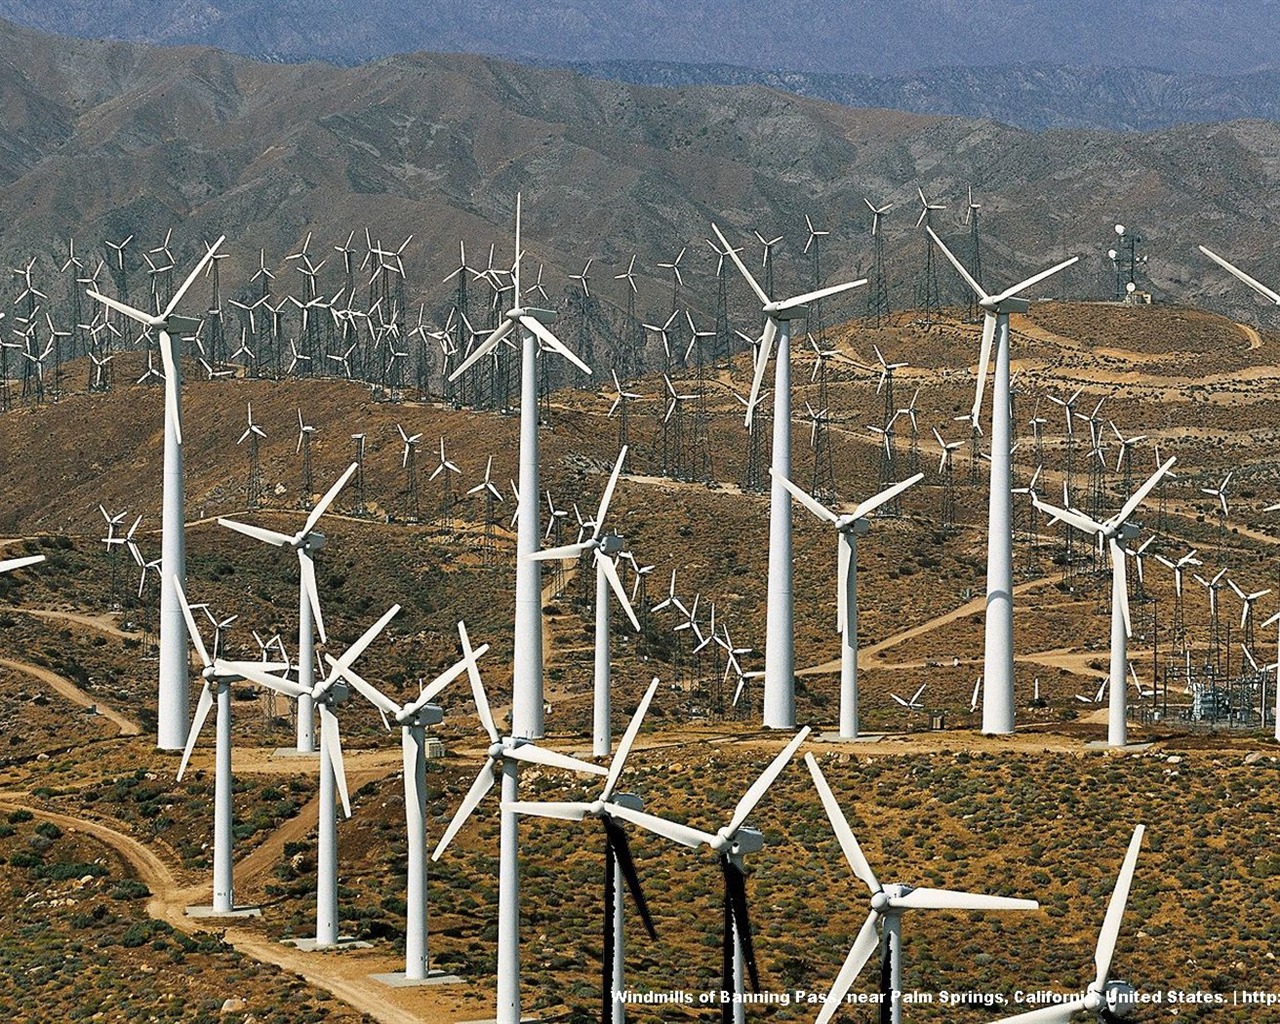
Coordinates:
[543,316]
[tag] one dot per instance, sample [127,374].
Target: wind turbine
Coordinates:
[849,528]
[604,546]
[327,694]
[997,669]
[779,673]
[888,903]
[172,697]
[306,542]
[413,717]
[511,751]
[731,843]
[221,674]
[1102,996]
[619,864]
[1115,531]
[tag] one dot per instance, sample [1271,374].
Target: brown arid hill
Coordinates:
[103,140]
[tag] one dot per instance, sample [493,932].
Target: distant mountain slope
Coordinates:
[1043,96]
[834,36]
[102,140]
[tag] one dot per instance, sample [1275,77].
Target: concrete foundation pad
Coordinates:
[294,752]
[835,737]
[209,912]
[1128,747]
[344,942]
[434,977]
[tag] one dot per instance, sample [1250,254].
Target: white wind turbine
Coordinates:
[511,751]
[731,843]
[888,903]
[413,717]
[997,670]
[1102,996]
[619,865]
[327,694]
[527,688]
[1116,532]
[604,546]
[779,673]
[220,674]
[306,542]
[172,696]
[849,527]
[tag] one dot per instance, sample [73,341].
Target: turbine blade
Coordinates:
[370,692]
[563,811]
[949,899]
[564,551]
[333,752]
[758,788]
[821,293]
[859,953]
[477,688]
[551,759]
[628,738]
[626,864]
[307,570]
[611,574]
[807,500]
[762,359]
[984,357]
[332,493]
[1115,910]
[409,751]
[20,563]
[433,688]
[172,406]
[190,620]
[483,783]
[540,332]
[1034,279]
[848,841]
[191,278]
[255,673]
[888,494]
[279,540]
[685,835]
[960,268]
[732,253]
[129,311]
[482,350]
[369,635]
[1257,286]
[1120,568]
[197,723]
[608,492]
[844,555]
[1136,498]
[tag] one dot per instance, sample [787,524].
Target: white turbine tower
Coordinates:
[413,717]
[527,692]
[173,703]
[1102,996]
[1115,532]
[779,671]
[221,674]
[306,542]
[604,546]
[997,670]
[888,903]
[327,694]
[849,528]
